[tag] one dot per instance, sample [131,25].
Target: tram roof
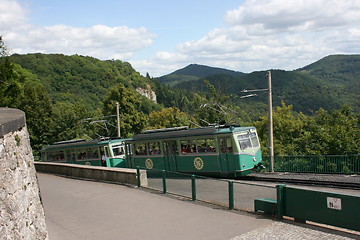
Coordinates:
[81,143]
[192,132]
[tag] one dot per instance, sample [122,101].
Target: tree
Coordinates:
[167,118]
[3,49]
[288,131]
[69,121]
[10,86]
[23,90]
[212,109]
[343,126]
[132,119]
[335,133]
[37,107]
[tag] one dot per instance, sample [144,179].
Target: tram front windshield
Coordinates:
[118,150]
[248,140]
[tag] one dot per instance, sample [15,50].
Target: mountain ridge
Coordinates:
[193,72]
[327,83]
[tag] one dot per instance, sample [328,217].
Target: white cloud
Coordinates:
[99,41]
[259,35]
[11,14]
[162,63]
[294,15]
[279,34]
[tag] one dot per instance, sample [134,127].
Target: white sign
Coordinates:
[334,203]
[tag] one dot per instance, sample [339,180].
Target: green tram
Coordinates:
[224,151]
[98,152]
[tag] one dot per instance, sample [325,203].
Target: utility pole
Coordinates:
[271,138]
[270,117]
[118,119]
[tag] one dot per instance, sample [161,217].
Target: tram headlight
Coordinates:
[254,159]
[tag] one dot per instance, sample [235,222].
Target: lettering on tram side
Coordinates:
[149,163]
[334,203]
[198,163]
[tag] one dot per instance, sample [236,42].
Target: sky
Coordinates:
[161,36]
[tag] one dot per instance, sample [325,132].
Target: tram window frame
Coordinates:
[154,148]
[254,140]
[91,153]
[188,146]
[60,155]
[242,138]
[71,155]
[226,144]
[170,147]
[193,146]
[210,145]
[129,149]
[115,151]
[51,156]
[81,154]
[143,152]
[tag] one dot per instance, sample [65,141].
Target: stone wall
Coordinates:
[21,211]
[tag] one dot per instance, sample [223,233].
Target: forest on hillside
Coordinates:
[73,97]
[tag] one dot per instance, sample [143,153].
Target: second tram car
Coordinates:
[227,151]
[98,152]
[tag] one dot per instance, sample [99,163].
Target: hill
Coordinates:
[341,70]
[327,83]
[194,72]
[79,78]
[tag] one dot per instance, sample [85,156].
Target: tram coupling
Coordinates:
[258,167]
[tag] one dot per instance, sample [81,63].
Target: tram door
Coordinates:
[225,149]
[128,156]
[171,152]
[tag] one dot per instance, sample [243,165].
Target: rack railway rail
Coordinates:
[329,180]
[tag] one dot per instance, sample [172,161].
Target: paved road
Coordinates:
[85,210]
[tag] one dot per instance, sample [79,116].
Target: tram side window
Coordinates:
[51,157]
[82,154]
[229,144]
[171,148]
[60,156]
[154,148]
[95,153]
[225,144]
[202,146]
[91,153]
[73,156]
[56,156]
[187,146]
[141,149]
[254,139]
[244,141]
[206,145]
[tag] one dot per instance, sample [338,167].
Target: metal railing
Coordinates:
[340,164]
[226,193]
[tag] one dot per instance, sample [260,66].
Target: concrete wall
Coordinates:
[115,175]
[21,212]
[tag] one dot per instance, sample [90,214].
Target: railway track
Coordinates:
[307,180]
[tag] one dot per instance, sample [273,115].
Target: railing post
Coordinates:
[193,187]
[280,200]
[164,181]
[231,194]
[138,176]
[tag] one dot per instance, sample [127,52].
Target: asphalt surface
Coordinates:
[76,209]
